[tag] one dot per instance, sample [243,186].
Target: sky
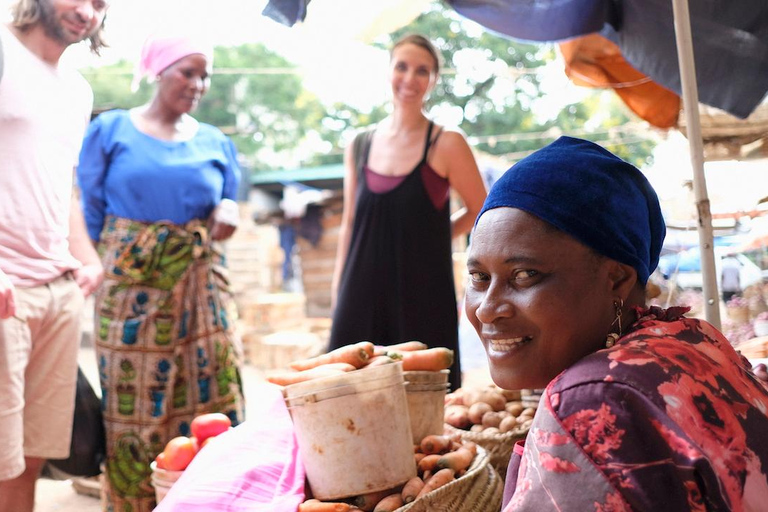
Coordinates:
[329,47]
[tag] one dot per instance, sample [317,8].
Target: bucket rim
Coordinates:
[393,370]
[322,395]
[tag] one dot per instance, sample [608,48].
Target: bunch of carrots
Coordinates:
[415,355]
[439,459]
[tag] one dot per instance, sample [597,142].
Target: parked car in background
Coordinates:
[684,268]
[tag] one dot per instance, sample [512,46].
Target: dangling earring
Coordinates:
[613,337]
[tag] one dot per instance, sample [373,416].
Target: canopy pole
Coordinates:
[684,41]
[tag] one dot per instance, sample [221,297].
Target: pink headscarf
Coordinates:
[160,52]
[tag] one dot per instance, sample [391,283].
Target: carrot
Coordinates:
[428,463]
[287,378]
[416,456]
[323,506]
[432,359]
[407,346]
[435,444]
[458,460]
[471,446]
[411,489]
[436,481]
[378,361]
[389,504]
[367,502]
[356,354]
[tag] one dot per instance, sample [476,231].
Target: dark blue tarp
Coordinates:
[730,38]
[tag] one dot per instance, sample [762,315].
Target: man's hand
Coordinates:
[89,277]
[7,297]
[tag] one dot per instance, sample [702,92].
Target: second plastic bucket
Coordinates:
[425,392]
[353,431]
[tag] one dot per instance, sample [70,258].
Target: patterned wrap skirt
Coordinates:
[165,346]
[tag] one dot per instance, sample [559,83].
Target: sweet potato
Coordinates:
[436,481]
[411,489]
[356,354]
[432,359]
[286,378]
[323,506]
[390,503]
[435,444]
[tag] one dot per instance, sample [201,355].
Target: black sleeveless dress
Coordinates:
[397,283]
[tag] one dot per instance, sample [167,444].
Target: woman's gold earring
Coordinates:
[613,337]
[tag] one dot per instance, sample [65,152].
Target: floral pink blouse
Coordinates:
[669,419]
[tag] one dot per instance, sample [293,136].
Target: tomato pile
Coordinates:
[180,451]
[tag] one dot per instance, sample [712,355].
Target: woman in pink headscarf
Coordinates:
[158,191]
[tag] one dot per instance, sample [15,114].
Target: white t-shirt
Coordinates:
[44,112]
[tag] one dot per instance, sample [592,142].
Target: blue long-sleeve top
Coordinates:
[127,173]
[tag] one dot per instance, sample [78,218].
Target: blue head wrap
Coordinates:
[592,195]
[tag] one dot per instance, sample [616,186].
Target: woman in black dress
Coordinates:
[393,280]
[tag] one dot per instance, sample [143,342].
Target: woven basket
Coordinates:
[498,446]
[480,489]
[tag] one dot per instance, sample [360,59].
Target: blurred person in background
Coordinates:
[393,278]
[47,264]
[159,190]
[730,280]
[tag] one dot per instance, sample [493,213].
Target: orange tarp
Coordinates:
[594,61]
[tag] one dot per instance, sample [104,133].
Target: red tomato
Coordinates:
[160,460]
[179,452]
[209,425]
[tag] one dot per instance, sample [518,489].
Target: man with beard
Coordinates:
[47,264]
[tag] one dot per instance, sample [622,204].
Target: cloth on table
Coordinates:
[254,467]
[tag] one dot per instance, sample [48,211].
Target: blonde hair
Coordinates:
[421,42]
[26,13]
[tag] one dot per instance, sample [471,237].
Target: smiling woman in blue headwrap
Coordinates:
[644,409]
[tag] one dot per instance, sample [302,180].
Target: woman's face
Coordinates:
[183,83]
[412,73]
[538,299]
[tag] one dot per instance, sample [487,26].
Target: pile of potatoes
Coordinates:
[439,461]
[487,409]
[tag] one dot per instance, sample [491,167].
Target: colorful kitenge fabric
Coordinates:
[669,419]
[165,347]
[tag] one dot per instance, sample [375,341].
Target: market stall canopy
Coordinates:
[730,38]
[594,61]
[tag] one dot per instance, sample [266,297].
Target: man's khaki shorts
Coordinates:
[38,374]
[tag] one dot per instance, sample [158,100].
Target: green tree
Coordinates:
[495,83]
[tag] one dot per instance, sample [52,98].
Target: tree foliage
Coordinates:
[492,89]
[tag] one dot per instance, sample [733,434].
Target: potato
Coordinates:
[507,424]
[510,394]
[457,416]
[530,411]
[477,428]
[514,408]
[477,410]
[491,419]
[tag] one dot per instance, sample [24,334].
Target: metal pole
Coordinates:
[691,107]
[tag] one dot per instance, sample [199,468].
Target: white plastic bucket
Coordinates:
[162,480]
[353,431]
[425,392]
